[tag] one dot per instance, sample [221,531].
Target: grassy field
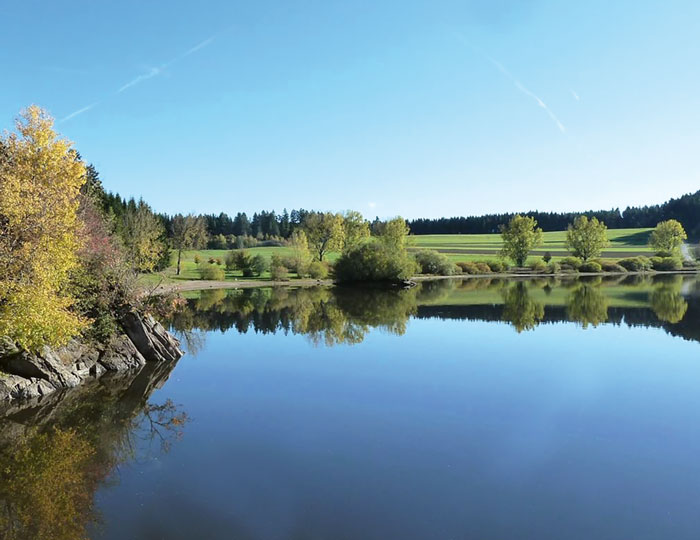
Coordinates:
[473,247]
[458,247]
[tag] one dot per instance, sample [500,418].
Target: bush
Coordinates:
[278,272]
[590,267]
[571,262]
[497,266]
[433,262]
[467,267]
[213,273]
[482,268]
[258,265]
[547,257]
[609,266]
[635,264]
[318,270]
[211,260]
[666,264]
[231,258]
[197,258]
[218,261]
[538,266]
[375,261]
[553,268]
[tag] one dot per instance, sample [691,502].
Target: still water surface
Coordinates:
[455,410]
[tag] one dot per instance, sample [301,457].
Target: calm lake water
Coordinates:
[476,409]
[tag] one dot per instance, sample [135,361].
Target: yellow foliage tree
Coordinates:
[40,180]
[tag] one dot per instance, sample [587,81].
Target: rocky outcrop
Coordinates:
[27,375]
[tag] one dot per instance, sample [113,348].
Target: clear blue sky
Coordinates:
[411,108]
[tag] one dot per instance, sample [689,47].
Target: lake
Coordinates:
[459,409]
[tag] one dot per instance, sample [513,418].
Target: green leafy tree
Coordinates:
[188,232]
[394,233]
[667,237]
[586,238]
[355,229]
[324,232]
[520,236]
[144,237]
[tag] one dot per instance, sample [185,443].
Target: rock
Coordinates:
[150,338]
[31,375]
[120,355]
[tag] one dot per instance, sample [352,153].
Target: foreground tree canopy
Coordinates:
[40,180]
[586,238]
[667,237]
[520,236]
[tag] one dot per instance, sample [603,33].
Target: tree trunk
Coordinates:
[179,256]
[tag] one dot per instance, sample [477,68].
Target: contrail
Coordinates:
[151,73]
[79,111]
[527,92]
[576,96]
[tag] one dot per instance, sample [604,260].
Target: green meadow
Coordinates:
[474,247]
[458,247]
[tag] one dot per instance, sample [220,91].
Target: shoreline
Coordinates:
[199,285]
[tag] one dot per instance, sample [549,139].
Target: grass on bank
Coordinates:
[457,247]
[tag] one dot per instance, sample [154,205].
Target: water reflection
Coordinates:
[56,452]
[345,316]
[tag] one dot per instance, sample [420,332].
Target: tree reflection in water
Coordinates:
[332,316]
[520,309]
[55,453]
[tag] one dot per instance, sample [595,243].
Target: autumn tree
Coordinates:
[520,236]
[586,238]
[355,229]
[40,181]
[188,232]
[667,237]
[324,232]
[301,256]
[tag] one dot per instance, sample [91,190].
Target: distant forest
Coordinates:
[266,225]
[685,209]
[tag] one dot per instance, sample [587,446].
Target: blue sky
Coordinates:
[422,109]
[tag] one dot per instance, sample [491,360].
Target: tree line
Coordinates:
[685,209]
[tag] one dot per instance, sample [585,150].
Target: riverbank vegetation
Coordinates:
[65,268]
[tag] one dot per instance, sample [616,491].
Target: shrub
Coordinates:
[553,268]
[375,261]
[197,258]
[547,257]
[666,263]
[218,262]
[497,266]
[635,264]
[609,266]
[571,262]
[231,258]
[211,260]
[213,273]
[433,262]
[258,265]
[590,267]
[467,267]
[538,266]
[318,270]
[482,268]
[278,272]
